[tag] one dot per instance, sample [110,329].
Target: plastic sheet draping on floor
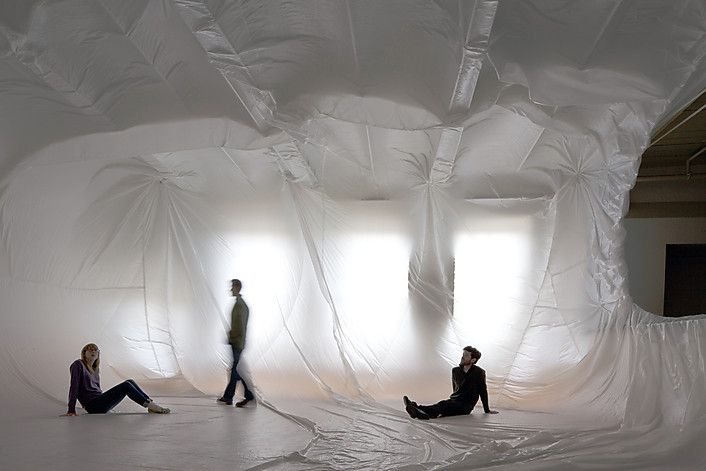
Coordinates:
[390,180]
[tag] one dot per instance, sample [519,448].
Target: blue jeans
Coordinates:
[113,396]
[235,377]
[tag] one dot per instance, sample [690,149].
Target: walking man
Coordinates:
[236,339]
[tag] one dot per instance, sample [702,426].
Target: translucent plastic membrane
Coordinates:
[390,180]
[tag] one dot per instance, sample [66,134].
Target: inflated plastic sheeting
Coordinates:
[391,180]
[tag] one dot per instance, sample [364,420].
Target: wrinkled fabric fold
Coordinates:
[391,181]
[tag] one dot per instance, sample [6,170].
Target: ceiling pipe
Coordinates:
[678,176]
[674,177]
[688,162]
[678,124]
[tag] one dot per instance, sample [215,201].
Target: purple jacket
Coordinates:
[84,385]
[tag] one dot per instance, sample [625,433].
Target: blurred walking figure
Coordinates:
[236,339]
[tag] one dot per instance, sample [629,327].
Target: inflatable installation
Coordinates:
[391,180]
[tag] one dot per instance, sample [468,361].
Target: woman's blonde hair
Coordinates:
[96,364]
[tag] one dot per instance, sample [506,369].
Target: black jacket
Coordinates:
[469,386]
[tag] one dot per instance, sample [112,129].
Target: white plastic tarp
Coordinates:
[391,180]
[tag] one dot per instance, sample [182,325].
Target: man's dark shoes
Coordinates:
[242,403]
[224,401]
[409,407]
[413,410]
[421,415]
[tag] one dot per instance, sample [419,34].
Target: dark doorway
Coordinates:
[685,280]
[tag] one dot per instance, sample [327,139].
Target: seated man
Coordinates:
[468,381]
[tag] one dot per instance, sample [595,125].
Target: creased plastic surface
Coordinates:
[391,180]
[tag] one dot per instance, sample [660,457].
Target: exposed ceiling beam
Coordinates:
[672,209]
[446,152]
[670,177]
[474,49]
[224,57]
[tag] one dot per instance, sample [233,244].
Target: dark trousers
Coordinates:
[447,408]
[113,396]
[235,377]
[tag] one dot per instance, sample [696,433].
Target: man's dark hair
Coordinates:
[475,353]
[237,283]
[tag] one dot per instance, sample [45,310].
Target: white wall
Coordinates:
[645,248]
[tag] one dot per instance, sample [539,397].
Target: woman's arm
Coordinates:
[76,371]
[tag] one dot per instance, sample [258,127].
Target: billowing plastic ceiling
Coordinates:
[392,180]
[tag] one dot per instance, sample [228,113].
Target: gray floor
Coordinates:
[341,434]
[199,434]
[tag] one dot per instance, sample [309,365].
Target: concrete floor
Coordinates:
[295,435]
